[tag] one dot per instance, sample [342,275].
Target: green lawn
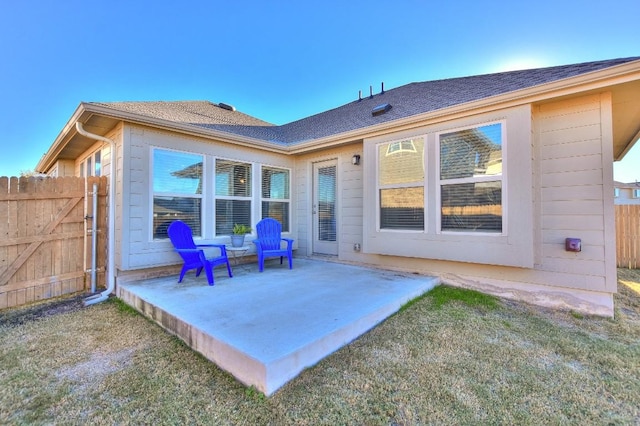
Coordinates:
[452,357]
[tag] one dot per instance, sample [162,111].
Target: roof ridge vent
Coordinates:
[381,109]
[226,106]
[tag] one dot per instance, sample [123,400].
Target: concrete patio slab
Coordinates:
[265,328]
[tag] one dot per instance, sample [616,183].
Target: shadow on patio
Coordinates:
[265,328]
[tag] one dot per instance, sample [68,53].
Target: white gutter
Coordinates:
[111,278]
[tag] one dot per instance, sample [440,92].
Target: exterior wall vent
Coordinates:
[226,106]
[380,109]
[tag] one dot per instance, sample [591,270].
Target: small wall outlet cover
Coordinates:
[573,244]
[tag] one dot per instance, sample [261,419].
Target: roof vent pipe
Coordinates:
[370,92]
[359,95]
[382,93]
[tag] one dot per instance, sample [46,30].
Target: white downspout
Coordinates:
[111,278]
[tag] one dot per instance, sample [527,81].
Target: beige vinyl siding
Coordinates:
[63,168]
[571,195]
[302,204]
[512,247]
[572,189]
[139,250]
[351,201]
[348,200]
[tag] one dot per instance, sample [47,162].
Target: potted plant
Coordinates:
[239,231]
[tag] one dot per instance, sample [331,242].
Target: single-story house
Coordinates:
[479,180]
[626,193]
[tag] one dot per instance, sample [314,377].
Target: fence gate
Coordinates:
[45,237]
[628,236]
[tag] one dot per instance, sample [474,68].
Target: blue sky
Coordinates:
[277,60]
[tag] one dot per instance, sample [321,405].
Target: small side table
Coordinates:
[237,253]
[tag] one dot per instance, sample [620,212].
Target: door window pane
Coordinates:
[327,203]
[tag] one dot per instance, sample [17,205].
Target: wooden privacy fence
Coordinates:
[628,236]
[45,237]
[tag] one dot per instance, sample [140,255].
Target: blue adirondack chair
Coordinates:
[193,255]
[269,242]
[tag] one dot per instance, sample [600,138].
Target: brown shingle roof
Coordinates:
[406,101]
[186,112]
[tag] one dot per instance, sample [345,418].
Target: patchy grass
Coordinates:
[452,357]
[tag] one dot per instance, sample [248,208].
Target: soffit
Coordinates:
[626,117]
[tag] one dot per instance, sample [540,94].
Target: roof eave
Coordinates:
[565,87]
[50,157]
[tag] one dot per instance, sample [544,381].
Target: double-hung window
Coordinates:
[401,185]
[177,191]
[232,195]
[458,191]
[275,195]
[471,179]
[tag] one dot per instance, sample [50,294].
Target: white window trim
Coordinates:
[514,247]
[215,197]
[415,184]
[492,178]
[280,200]
[152,193]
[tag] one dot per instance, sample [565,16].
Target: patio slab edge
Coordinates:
[265,329]
[281,371]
